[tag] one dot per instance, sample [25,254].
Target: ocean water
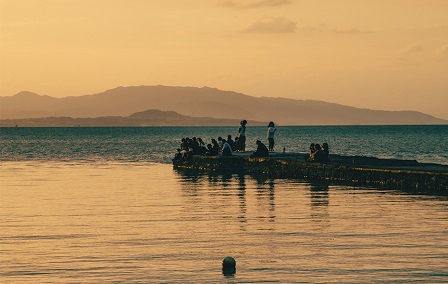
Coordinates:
[427,144]
[101,205]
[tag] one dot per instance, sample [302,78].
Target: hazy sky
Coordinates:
[380,54]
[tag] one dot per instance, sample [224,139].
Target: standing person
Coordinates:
[270,135]
[326,151]
[242,136]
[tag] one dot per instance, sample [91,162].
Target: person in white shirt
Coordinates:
[226,149]
[270,135]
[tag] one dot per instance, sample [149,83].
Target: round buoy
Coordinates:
[228,266]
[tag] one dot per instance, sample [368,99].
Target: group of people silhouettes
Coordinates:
[225,147]
[319,153]
[196,146]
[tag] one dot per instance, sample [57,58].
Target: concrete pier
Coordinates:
[406,175]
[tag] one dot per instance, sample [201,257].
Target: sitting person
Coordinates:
[220,142]
[310,157]
[202,148]
[262,150]
[236,145]
[226,149]
[194,145]
[312,148]
[319,154]
[187,155]
[213,148]
[184,154]
[231,142]
[183,144]
[209,150]
[178,155]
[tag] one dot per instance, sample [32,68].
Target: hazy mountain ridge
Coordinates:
[151,117]
[202,102]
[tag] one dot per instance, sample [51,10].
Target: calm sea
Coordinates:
[99,205]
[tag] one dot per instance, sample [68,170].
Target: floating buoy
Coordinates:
[228,266]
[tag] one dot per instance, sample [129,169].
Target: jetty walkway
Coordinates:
[406,175]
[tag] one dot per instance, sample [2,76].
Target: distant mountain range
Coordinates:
[152,117]
[193,106]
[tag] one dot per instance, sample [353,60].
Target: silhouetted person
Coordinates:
[194,145]
[270,135]
[187,155]
[319,154]
[201,146]
[311,155]
[242,136]
[213,149]
[326,151]
[231,142]
[226,149]
[183,144]
[220,142]
[236,145]
[178,155]
[261,151]
[209,150]
[185,151]
[312,148]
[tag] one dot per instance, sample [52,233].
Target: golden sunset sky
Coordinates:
[379,54]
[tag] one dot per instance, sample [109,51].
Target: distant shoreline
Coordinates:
[165,105]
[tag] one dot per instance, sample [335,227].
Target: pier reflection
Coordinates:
[254,204]
[252,195]
[319,204]
[242,198]
[319,194]
[266,195]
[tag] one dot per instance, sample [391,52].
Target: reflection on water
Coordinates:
[319,195]
[127,223]
[232,186]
